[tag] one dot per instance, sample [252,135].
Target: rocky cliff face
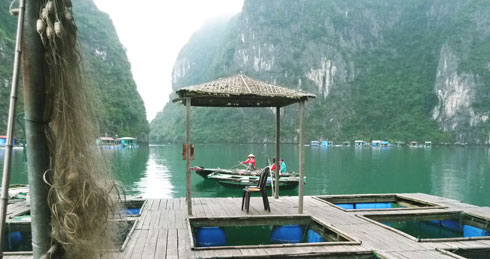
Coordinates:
[120,106]
[404,70]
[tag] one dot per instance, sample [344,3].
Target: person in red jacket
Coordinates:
[250,162]
[273,167]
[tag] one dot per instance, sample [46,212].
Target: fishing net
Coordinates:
[82,196]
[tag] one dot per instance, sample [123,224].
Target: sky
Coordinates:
[153,32]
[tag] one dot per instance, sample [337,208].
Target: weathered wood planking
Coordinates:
[162,231]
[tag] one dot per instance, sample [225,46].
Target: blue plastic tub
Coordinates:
[347,206]
[450,224]
[287,234]
[211,236]
[373,205]
[12,240]
[314,237]
[470,231]
[132,211]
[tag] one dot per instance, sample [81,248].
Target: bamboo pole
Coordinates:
[33,65]
[301,156]
[188,155]
[7,165]
[278,144]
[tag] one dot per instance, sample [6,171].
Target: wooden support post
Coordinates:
[301,155]
[7,164]
[278,144]
[33,71]
[188,196]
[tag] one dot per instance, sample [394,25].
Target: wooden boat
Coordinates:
[234,180]
[204,172]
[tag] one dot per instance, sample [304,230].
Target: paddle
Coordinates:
[239,163]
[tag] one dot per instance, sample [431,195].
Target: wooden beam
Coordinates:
[301,156]
[188,196]
[278,144]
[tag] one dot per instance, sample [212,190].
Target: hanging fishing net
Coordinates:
[82,196]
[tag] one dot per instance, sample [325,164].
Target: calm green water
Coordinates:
[461,173]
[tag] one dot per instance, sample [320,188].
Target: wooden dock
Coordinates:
[162,230]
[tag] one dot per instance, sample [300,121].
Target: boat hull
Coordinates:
[205,172]
[241,181]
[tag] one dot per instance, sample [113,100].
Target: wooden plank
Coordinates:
[172,244]
[146,220]
[163,220]
[198,209]
[183,243]
[151,243]
[140,244]
[155,220]
[131,244]
[161,244]
[179,214]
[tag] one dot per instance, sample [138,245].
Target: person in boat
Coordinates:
[250,162]
[273,166]
[282,166]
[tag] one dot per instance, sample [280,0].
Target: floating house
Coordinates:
[106,141]
[413,144]
[3,141]
[327,143]
[399,143]
[315,143]
[16,144]
[428,144]
[359,143]
[127,142]
[376,143]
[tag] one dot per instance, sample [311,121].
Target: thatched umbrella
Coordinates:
[242,91]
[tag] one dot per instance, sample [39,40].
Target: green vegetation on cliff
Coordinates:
[120,108]
[394,70]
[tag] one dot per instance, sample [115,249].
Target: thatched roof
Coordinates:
[241,91]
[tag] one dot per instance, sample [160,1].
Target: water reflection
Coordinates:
[159,171]
[462,173]
[19,166]
[156,181]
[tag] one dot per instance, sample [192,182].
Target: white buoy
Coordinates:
[45,14]
[50,32]
[58,29]
[50,7]
[68,15]
[40,26]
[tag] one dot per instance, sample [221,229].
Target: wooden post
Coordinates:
[33,71]
[7,164]
[278,143]
[188,196]
[301,156]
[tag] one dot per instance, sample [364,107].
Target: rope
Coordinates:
[35,121]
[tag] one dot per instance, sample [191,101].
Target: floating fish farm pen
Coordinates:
[18,236]
[419,226]
[263,231]
[436,226]
[363,202]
